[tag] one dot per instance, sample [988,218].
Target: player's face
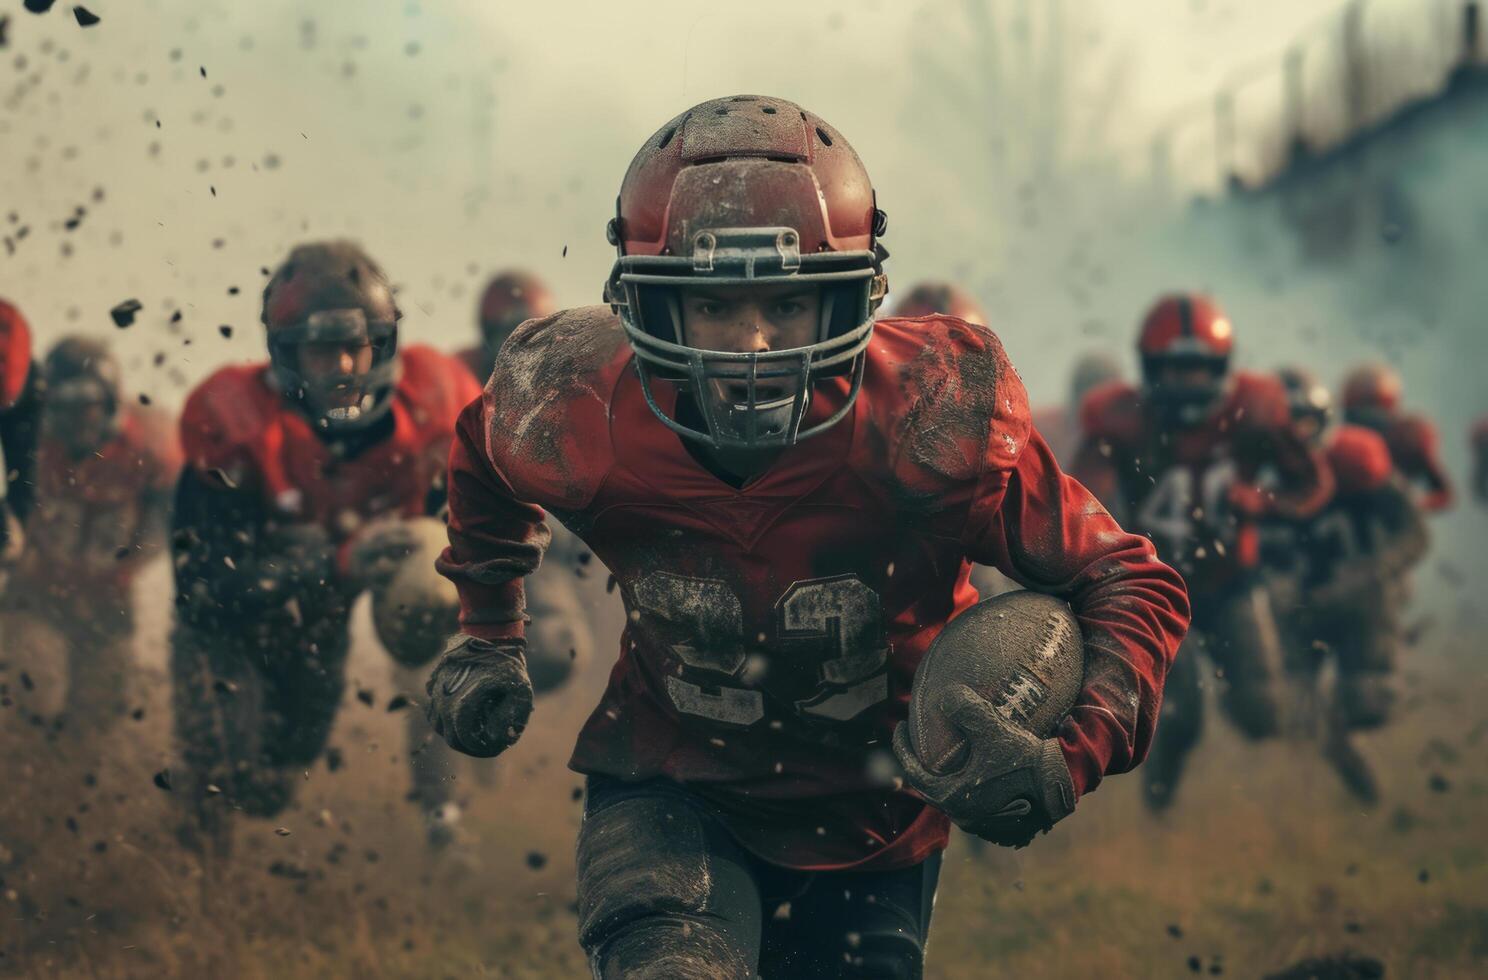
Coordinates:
[82,425]
[750,320]
[327,361]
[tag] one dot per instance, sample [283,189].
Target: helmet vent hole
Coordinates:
[722,111]
[768,110]
[821,134]
[666,138]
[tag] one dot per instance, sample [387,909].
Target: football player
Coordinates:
[1371,398]
[1342,568]
[1183,460]
[104,473]
[305,482]
[789,496]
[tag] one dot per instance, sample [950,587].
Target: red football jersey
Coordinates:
[774,629]
[238,430]
[1416,450]
[92,517]
[1180,486]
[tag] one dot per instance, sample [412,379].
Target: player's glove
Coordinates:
[1012,785]
[479,695]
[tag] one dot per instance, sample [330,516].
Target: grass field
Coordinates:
[1263,862]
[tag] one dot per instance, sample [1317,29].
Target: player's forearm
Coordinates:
[495,540]
[1133,610]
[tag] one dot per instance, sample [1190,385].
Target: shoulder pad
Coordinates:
[1257,401]
[1359,458]
[225,419]
[946,395]
[548,404]
[434,387]
[1113,411]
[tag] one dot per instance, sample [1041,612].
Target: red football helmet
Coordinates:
[332,295]
[511,298]
[1371,395]
[1185,346]
[1310,401]
[82,384]
[930,298]
[747,191]
[15,354]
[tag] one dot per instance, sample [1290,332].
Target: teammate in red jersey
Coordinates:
[940,299]
[306,482]
[1371,398]
[104,473]
[790,496]
[1182,459]
[1480,459]
[19,418]
[1340,572]
[561,635]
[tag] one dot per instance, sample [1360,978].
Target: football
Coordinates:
[1022,651]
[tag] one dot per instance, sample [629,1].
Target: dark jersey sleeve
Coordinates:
[1050,534]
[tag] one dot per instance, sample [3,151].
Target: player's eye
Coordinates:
[710,308]
[789,308]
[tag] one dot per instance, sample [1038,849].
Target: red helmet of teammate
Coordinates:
[1185,346]
[333,334]
[747,191]
[511,298]
[15,354]
[1371,394]
[82,379]
[1310,401]
[930,298]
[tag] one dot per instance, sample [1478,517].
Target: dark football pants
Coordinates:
[1364,641]
[252,710]
[1239,634]
[666,892]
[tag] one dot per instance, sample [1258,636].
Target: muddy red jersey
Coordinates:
[239,432]
[1198,491]
[95,516]
[1415,448]
[774,629]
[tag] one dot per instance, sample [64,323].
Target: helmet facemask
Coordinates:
[1186,388]
[337,401]
[747,401]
